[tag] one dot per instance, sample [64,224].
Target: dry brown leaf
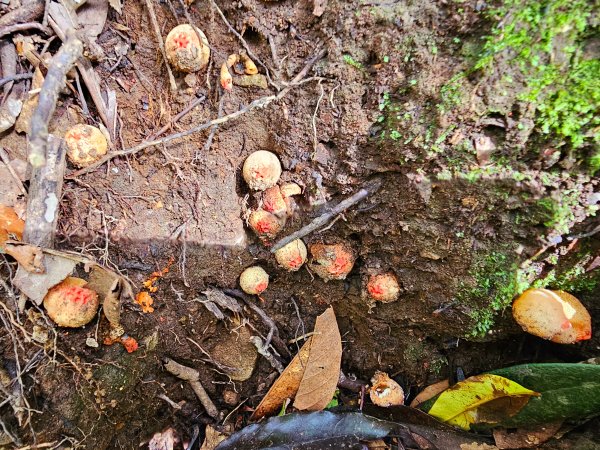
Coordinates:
[28,256]
[10,224]
[286,386]
[525,437]
[323,367]
[111,289]
[429,392]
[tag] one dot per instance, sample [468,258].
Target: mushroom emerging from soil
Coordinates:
[554,315]
[290,189]
[332,261]
[85,145]
[383,287]
[292,256]
[274,202]
[185,51]
[265,224]
[70,304]
[261,170]
[254,280]
[385,391]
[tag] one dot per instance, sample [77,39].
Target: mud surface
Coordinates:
[186,202]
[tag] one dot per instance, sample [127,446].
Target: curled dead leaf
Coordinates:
[286,386]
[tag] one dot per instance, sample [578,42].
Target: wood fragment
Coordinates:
[258,103]
[318,222]
[161,43]
[45,190]
[54,82]
[192,376]
[29,11]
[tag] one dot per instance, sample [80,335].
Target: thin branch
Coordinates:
[54,82]
[24,26]
[192,376]
[18,77]
[161,43]
[323,219]
[175,119]
[258,103]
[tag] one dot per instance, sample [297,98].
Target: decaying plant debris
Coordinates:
[298,209]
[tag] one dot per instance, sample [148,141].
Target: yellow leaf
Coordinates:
[484,398]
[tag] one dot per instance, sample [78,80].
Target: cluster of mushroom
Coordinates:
[262,171]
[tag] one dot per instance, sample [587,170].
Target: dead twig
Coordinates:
[178,117]
[273,330]
[24,26]
[18,77]
[213,130]
[258,103]
[161,43]
[324,218]
[54,82]
[263,349]
[192,376]
[314,120]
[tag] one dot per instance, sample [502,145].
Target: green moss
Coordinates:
[352,62]
[497,279]
[542,39]
[558,212]
[574,280]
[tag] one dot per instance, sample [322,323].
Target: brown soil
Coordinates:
[186,202]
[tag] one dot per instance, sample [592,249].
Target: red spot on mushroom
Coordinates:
[258,173]
[261,286]
[375,289]
[263,226]
[181,40]
[339,265]
[78,294]
[566,325]
[296,261]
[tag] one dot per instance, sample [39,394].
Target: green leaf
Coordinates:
[480,399]
[569,391]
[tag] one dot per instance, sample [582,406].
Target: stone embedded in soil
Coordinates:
[236,354]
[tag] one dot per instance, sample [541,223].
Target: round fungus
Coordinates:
[85,145]
[292,256]
[187,49]
[70,304]
[254,280]
[261,170]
